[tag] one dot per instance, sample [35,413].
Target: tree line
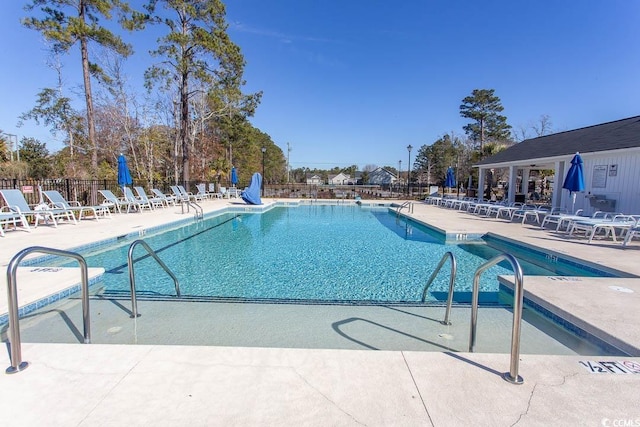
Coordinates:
[192,123]
[185,127]
[486,134]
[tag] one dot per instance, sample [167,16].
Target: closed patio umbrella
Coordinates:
[234,176]
[124,176]
[450,180]
[574,181]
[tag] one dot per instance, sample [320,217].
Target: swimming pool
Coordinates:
[328,253]
[226,263]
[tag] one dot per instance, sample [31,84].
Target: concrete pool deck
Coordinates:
[75,384]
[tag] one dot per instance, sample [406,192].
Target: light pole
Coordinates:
[13,143]
[409,147]
[288,164]
[457,170]
[399,177]
[263,151]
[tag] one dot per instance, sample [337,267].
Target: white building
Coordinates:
[611,156]
[340,179]
[381,176]
[314,179]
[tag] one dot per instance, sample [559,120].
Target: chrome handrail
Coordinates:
[132,276]
[199,211]
[404,205]
[17,364]
[452,280]
[511,376]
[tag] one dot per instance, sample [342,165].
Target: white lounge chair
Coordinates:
[202,191]
[58,201]
[223,192]
[155,202]
[197,197]
[167,199]
[9,217]
[567,221]
[138,202]
[494,209]
[609,226]
[560,217]
[15,201]
[183,194]
[632,232]
[233,192]
[212,191]
[179,195]
[480,208]
[507,211]
[117,203]
[531,212]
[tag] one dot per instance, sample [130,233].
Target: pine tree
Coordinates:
[198,56]
[66,23]
[482,106]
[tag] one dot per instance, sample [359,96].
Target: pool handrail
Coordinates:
[190,203]
[17,364]
[518,296]
[404,205]
[452,280]
[132,276]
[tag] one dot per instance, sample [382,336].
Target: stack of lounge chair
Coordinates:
[601,225]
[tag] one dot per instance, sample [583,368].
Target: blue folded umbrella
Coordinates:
[251,194]
[234,176]
[124,176]
[450,180]
[574,181]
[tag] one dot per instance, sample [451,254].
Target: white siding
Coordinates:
[624,187]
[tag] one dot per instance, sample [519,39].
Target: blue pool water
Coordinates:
[309,252]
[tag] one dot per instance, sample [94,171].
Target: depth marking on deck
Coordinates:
[564,278]
[611,367]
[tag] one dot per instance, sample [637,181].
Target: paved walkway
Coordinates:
[75,384]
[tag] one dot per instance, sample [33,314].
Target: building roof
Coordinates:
[342,175]
[616,135]
[381,176]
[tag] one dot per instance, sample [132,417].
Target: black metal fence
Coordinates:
[303,191]
[86,191]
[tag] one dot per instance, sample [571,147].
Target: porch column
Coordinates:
[525,183]
[513,175]
[557,199]
[480,192]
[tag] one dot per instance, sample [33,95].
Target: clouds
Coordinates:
[280,36]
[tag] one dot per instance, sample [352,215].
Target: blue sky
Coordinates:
[355,82]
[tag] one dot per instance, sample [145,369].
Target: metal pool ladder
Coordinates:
[132,276]
[199,212]
[404,205]
[511,376]
[452,280]
[17,364]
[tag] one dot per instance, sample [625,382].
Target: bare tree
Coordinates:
[65,23]
[543,126]
[196,49]
[520,133]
